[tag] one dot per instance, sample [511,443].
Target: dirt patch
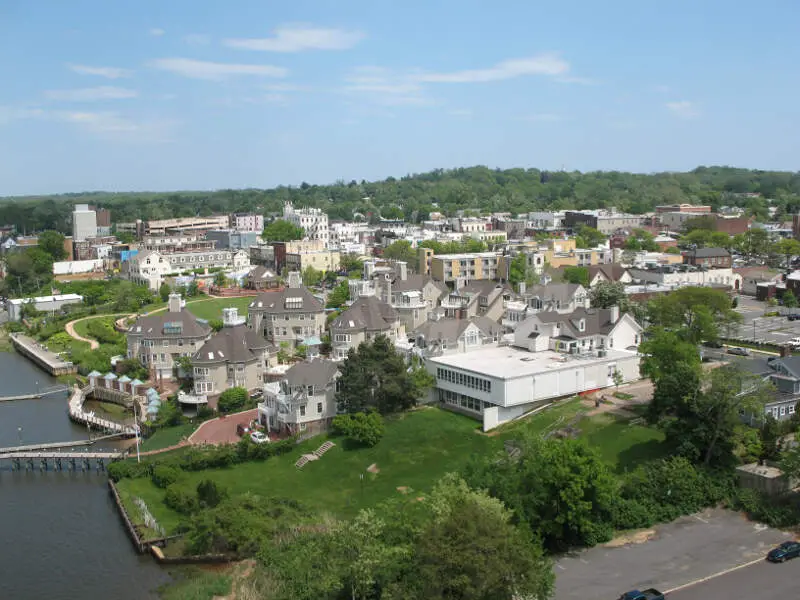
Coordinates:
[373,468]
[634,537]
[403,489]
[240,573]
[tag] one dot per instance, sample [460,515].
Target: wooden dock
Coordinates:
[61,455]
[54,445]
[47,360]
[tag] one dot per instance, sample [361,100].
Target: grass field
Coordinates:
[212,308]
[622,444]
[169,436]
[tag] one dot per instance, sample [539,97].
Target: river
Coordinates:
[61,534]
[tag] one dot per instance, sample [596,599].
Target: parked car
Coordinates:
[793,317]
[784,552]
[651,594]
[259,437]
[739,351]
[712,344]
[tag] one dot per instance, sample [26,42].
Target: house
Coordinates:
[559,297]
[708,257]
[413,296]
[365,319]
[288,316]
[149,268]
[784,374]
[553,356]
[614,272]
[485,298]
[438,337]
[261,278]
[48,304]
[158,340]
[450,268]
[235,356]
[303,402]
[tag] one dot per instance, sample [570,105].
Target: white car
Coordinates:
[259,437]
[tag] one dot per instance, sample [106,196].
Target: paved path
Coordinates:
[222,430]
[762,580]
[93,344]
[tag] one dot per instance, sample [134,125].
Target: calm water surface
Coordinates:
[60,535]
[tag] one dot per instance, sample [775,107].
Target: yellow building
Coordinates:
[474,265]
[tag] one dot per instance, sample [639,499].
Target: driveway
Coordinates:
[222,430]
[678,553]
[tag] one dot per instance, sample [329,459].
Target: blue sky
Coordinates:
[202,94]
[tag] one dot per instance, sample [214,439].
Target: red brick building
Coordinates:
[708,257]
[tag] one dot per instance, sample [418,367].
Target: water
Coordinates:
[61,536]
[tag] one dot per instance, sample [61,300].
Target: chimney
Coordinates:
[388,289]
[175,303]
[402,270]
[293,280]
[369,268]
[522,287]
[613,314]
[231,318]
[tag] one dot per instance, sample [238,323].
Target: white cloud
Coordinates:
[544,118]
[15,113]
[297,38]
[683,109]
[107,72]
[114,126]
[383,86]
[200,69]
[541,64]
[576,80]
[95,94]
[156,32]
[197,39]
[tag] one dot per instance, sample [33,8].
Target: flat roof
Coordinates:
[507,362]
[466,255]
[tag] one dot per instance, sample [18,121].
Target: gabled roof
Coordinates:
[484,287]
[417,282]
[367,313]
[563,292]
[261,273]
[287,301]
[612,272]
[318,372]
[597,321]
[237,344]
[153,326]
[452,329]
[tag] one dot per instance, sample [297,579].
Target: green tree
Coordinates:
[588,237]
[365,428]
[220,280]
[311,276]
[699,313]
[216,324]
[338,295]
[52,242]
[351,264]
[164,291]
[282,231]
[193,289]
[577,275]
[771,439]
[375,375]
[232,399]
[789,300]
[607,294]
[401,250]
[560,488]
[788,247]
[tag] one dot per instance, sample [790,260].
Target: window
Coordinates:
[302,426]
[302,410]
[783,411]
[319,408]
[165,343]
[791,409]
[310,390]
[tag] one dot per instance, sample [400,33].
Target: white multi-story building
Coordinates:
[84,223]
[313,221]
[553,356]
[151,267]
[245,222]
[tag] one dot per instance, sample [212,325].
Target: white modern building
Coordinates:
[553,356]
[84,223]
[48,304]
[313,221]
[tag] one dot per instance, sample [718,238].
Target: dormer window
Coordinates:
[582,325]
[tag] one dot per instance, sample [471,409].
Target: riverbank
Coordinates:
[5,341]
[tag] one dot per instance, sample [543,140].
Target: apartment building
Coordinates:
[233,239]
[365,319]
[247,222]
[313,221]
[563,298]
[303,402]
[158,340]
[84,223]
[605,221]
[450,268]
[301,254]
[708,257]
[167,244]
[175,226]
[148,268]
[288,316]
[676,276]
[235,356]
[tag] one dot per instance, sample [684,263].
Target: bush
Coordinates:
[181,498]
[125,469]
[165,475]
[232,399]
[365,428]
[209,494]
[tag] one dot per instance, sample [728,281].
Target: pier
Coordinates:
[54,445]
[35,396]
[60,461]
[45,359]
[79,415]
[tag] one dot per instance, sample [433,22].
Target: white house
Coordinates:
[553,356]
[149,268]
[41,303]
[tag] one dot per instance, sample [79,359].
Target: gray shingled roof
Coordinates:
[366,313]
[318,372]
[276,302]
[483,287]
[451,329]
[417,282]
[563,292]
[231,344]
[152,326]
[597,321]
[612,272]
[261,273]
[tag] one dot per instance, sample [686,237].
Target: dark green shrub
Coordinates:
[209,494]
[164,475]
[126,469]
[232,400]
[181,498]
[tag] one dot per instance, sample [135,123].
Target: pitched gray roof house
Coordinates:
[451,329]
[368,314]
[288,300]
[237,344]
[169,325]
[416,282]
[318,372]
[596,321]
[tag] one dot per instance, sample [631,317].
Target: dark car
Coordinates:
[793,317]
[784,552]
[651,594]
[739,351]
[712,344]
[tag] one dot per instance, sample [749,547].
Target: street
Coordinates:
[763,580]
[670,556]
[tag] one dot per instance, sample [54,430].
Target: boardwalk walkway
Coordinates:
[47,360]
[78,414]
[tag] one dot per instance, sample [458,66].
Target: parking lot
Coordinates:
[687,550]
[774,330]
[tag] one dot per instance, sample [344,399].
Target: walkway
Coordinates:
[222,430]
[76,413]
[44,358]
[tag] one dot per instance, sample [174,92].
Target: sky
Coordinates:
[136,95]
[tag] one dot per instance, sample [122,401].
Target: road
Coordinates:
[762,580]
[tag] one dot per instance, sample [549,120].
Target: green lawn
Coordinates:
[555,417]
[212,308]
[166,437]
[620,443]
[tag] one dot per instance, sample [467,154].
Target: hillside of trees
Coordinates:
[413,197]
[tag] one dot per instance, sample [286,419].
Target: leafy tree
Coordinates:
[607,294]
[164,291]
[365,428]
[301,351]
[577,275]
[588,237]
[220,280]
[338,295]
[351,264]
[641,239]
[282,231]
[209,494]
[519,271]
[788,247]
[193,289]
[52,242]
[699,313]
[216,324]
[232,399]
[400,250]
[283,353]
[771,439]
[789,300]
[311,276]
[375,375]
[672,250]
[560,488]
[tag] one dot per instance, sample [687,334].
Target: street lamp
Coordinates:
[19,435]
